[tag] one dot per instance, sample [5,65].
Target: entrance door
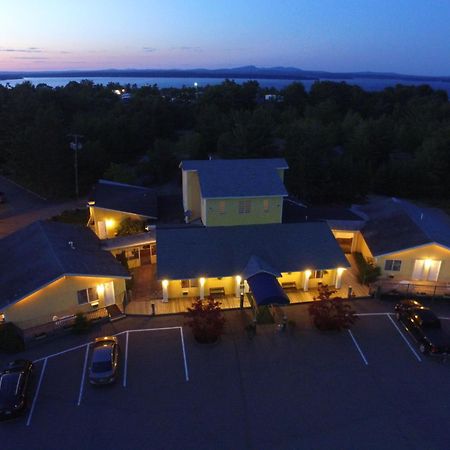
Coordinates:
[110,298]
[153,253]
[145,255]
[101,227]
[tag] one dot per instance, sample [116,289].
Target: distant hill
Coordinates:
[293,73]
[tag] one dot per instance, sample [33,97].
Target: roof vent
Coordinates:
[71,245]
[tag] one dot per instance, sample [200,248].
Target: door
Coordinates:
[101,227]
[110,298]
[153,253]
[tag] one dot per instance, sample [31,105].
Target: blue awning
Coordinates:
[267,290]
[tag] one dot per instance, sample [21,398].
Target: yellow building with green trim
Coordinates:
[228,192]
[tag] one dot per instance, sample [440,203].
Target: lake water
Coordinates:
[368,84]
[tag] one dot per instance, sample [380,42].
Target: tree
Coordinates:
[130,226]
[331,313]
[206,320]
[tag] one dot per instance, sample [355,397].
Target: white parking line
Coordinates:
[62,352]
[186,373]
[404,338]
[83,375]
[37,392]
[125,368]
[373,314]
[358,348]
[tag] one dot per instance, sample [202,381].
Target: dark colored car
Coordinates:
[105,361]
[14,384]
[424,327]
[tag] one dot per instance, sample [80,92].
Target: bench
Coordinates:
[217,292]
[289,285]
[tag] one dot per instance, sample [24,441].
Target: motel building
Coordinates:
[234,240]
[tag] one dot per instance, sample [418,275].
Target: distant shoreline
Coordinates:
[242,73]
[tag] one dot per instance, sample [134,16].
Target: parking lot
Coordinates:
[299,389]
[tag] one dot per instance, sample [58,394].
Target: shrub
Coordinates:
[81,324]
[206,320]
[11,340]
[331,313]
[367,271]
[130,226]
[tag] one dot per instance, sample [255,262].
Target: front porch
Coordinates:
[146,293]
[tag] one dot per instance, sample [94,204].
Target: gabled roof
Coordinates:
[45,251]
[224,178]
[193,252]
[125,198]
[393,225]
[337,217]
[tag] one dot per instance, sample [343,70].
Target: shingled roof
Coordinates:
[223,178]
[193,252]
[45,251]
[393,225]
[125,198]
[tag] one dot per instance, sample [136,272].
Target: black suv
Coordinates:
[14,384]
[424,327]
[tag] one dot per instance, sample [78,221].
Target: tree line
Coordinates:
[341,142]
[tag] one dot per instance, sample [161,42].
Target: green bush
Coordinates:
[367,272]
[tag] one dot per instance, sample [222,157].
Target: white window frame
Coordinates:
[94,298]
[393,265]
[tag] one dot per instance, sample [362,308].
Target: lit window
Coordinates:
[244,206]
[87,295]
[317,274]
[222,207]
[186,284]
[266,205]
[393,265]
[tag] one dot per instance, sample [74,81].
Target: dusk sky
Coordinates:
[404,36]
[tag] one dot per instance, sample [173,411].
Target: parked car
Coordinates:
[105,361]
[14,385]
[424,327]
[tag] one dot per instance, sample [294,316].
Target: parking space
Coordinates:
[295,389]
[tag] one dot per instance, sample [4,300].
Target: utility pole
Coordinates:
[75,145]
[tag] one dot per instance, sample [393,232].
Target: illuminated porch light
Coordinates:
[202,281]
[308,273]
[238,279]
[165,283]
[109,223]
[340,270]
[428,263]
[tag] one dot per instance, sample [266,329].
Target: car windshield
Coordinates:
[428,318]
[9,383]
[103,366]
[102,359]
